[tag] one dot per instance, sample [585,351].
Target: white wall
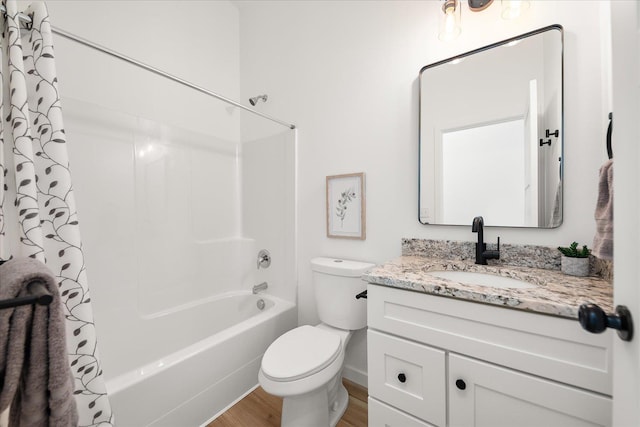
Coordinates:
[196,41]
[346,74]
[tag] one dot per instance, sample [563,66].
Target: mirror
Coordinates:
[491,134]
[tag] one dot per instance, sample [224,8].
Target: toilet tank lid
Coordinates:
[340,267]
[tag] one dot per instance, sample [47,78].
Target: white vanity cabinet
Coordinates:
[436,361]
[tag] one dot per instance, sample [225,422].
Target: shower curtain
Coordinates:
[37,209]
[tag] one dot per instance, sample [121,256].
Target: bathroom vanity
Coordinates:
[445,352]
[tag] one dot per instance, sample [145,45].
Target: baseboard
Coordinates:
[356,375]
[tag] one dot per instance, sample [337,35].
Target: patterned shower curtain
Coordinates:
[37,209]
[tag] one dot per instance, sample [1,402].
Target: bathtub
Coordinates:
[190,385]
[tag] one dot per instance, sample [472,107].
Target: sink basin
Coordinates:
[481,279]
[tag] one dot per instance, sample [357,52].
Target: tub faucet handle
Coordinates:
[264,259]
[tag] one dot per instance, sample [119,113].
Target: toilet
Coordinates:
[304,365]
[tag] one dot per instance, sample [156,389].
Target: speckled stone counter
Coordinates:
[554,293]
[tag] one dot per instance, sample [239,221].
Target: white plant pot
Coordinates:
[575,266]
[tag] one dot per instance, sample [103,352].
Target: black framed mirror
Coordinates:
[491,134]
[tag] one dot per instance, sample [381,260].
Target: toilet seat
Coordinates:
[300,353]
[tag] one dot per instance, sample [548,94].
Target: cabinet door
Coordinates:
[482,394]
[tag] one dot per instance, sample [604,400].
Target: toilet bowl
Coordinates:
[304,365]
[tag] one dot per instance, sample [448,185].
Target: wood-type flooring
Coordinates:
[260,409]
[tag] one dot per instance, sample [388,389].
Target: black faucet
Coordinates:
[482,254]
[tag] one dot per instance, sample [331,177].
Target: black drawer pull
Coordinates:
[402,377]
[461,384]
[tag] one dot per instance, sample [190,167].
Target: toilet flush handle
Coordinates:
[362,295]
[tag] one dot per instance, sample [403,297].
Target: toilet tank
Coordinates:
[336,282]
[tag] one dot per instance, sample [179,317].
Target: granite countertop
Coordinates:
[555,293]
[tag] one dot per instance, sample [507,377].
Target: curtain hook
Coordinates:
[29,24]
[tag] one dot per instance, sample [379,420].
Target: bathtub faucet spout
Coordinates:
[261,287]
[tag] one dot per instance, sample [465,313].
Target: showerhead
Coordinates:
[253,101]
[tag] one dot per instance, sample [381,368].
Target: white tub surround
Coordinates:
[174,252]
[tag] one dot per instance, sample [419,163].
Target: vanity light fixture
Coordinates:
[479,5]
[450,20]
[450,26]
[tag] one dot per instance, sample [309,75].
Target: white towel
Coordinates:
[603,240]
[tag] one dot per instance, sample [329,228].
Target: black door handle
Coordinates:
[595,320]
[609,133]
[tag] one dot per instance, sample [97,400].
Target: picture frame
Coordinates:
[346,206]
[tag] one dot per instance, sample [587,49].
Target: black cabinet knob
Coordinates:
[593,319]
[461,384]
[402,377]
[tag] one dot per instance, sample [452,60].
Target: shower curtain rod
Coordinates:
[27,20]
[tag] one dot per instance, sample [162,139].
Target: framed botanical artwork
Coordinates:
[346,206]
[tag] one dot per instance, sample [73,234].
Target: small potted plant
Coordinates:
[575,262]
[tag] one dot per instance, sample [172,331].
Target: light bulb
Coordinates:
[511,9]
[450,21]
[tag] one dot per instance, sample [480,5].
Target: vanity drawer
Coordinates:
[381,415]
[547,346]
[407,375]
